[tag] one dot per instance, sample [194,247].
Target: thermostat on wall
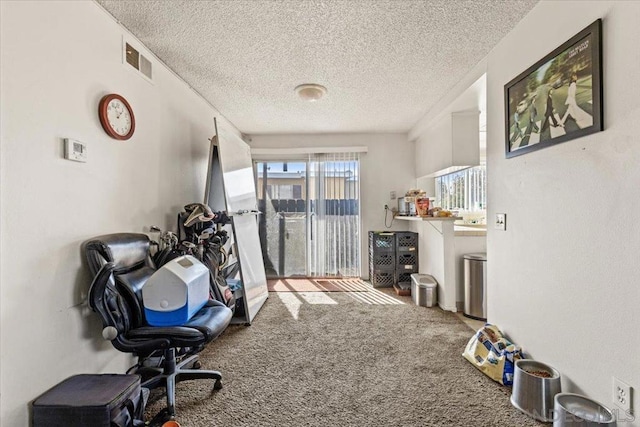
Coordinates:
[75,150]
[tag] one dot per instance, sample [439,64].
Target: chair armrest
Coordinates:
[110,331]
[145,346]
[99,285]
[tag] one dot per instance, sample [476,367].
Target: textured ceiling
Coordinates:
[384,62]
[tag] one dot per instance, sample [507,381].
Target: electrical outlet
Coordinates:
[622,395]
[501,221]
[392,195]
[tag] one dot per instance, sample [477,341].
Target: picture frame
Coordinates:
[557,99]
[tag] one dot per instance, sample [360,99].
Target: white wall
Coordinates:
[387,166]
[563,279]
[58,60]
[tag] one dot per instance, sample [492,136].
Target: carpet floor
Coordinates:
[344,359]
[317,285]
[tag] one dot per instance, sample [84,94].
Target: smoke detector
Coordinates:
[311,92]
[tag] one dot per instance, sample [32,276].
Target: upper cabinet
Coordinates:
[448,138]
[465,142]
[455,144]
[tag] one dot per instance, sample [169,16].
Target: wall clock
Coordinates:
[116,117]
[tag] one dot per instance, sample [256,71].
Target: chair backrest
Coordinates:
[132,267]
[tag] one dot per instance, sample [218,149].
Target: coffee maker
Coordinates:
[407,206]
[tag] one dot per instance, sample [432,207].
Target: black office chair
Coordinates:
[121,265]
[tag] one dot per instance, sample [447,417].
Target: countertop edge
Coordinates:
[428,218]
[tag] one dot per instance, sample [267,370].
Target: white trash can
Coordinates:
[424,290]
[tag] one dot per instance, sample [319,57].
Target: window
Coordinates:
[463,191]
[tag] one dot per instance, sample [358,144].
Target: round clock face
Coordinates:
[116,117]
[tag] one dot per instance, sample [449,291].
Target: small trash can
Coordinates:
[475,286]
[424,290]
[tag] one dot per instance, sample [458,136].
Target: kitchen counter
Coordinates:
[428,218]
[458,230]
[442,245]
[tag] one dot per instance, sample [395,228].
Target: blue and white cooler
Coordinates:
[175,292]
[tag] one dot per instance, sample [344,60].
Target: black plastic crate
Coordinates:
[388,265]
[406,241]
[407,258]
[382,279]
[380,241]
[382,260]
[404,280]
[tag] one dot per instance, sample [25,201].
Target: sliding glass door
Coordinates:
[310,224]
[334,219]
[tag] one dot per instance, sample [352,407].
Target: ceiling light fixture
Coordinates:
[311,91]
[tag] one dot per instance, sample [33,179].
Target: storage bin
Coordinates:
[406,241]
[393,256]
[380,241]
[382,260]
[424,290]
[382,279]
[407,262]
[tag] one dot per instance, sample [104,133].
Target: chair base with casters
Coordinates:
[173,372]
[121,265]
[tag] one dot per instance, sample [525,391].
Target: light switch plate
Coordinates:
[501,221]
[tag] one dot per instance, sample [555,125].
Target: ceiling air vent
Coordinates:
[138,61]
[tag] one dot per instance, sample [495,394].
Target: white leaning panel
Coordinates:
[240,194]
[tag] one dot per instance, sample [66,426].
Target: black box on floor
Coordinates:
[89,400]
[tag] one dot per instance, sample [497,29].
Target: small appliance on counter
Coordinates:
[407,206]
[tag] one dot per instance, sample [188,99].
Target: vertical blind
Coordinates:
[464,190]
[334,207]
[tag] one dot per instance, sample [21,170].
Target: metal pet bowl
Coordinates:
[533,394]
[576,410]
